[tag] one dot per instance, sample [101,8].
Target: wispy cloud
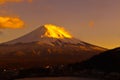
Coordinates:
[13,1]
[91,23]
[11,22]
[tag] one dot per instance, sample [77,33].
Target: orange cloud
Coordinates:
[91,23]
[16,1]
[11,22]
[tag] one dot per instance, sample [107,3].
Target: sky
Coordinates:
[93,21]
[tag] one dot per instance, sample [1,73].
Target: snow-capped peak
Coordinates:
[54,31]
[44,33]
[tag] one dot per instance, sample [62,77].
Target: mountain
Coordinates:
[106,61]
[49,44]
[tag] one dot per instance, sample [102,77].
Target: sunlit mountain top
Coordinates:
[54,31]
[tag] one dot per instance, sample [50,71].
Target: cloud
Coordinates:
[91,23]
[15,1]
[11,22]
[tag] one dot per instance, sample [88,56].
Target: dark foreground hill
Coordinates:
[106,61]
